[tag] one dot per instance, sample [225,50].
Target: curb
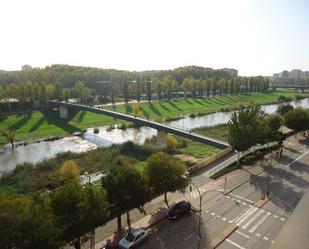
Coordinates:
[221,237]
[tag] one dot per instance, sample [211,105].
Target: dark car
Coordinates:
[178,209]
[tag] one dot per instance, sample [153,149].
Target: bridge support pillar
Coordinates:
[161,140]
[63,112]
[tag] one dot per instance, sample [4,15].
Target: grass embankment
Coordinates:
[29,178]
[219,132]
[39,124]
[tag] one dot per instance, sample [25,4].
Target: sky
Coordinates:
[256,37]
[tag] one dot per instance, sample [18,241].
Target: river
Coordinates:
[35,152]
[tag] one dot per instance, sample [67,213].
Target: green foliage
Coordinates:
[78,210]
[284,108]
[243,128]
[297,119]
[165,173]
[126,187]
[27,224]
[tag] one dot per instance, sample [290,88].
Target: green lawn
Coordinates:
[219,132]
[49,124]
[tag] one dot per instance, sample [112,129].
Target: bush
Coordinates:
[282,98]
[259,154]
[298,97]
[171,142]
[96,130]
[192,115]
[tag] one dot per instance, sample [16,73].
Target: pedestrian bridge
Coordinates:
[144,122]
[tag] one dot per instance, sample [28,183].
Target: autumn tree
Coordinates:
[69,171]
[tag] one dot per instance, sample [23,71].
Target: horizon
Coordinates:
[251,36]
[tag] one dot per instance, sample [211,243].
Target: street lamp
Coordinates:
[199,236]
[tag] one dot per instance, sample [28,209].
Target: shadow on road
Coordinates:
[180,234]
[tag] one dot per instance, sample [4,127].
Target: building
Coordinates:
[295,74]
[26,67]
[285,74]
[232,72]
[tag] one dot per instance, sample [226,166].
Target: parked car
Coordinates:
[179,209]
[133,238]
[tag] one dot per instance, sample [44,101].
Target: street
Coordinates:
[257,227]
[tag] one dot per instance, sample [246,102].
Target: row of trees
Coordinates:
[70,212]
[250,126]
[101,86]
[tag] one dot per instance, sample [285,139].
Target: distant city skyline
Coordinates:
[256,37]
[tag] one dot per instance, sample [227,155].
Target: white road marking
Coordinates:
[265,238]
[242,198]
[238,201]
[259,223]
[259,235]
[243,217]
[253,219]
[212,213]
[230,221]
[235,244]
[297,159]
[283,219]
[272,241]
[275,216]
[244,203]
[224,219]
[243,234]
[228,197]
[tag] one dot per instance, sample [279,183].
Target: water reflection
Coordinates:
[106,137]
[36,152]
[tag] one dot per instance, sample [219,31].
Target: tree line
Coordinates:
[72,211]
[97,86]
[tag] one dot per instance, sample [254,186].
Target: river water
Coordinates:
[106,137]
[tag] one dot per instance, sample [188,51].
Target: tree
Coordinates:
[69,171]
[78,210]
[148,90]
[138,89]
[165,174]
[126,189]
[284,108]
[137,110]
[113,95]
[171,142]
[244,128]
[273,123]
[159,90]
[27,224]
[297,120]
[97,209]
[66,94]
[9,134]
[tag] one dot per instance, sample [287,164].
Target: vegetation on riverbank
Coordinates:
[37,124]
[28,178]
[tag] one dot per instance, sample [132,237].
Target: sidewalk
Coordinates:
[156,209]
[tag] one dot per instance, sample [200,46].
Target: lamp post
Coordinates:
[201,195]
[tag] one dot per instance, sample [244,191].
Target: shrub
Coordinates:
[171,142]
[192,115]
[69,171]
[259,154]
[96,130]
[298,97]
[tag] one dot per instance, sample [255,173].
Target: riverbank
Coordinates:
[36,125]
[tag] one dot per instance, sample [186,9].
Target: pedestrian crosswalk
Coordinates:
[252,221]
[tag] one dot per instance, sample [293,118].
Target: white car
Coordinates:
[133,238]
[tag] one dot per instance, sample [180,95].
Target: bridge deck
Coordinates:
[144,122]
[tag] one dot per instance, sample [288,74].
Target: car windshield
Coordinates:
[130,237]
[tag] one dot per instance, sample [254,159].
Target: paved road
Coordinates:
[258,227]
